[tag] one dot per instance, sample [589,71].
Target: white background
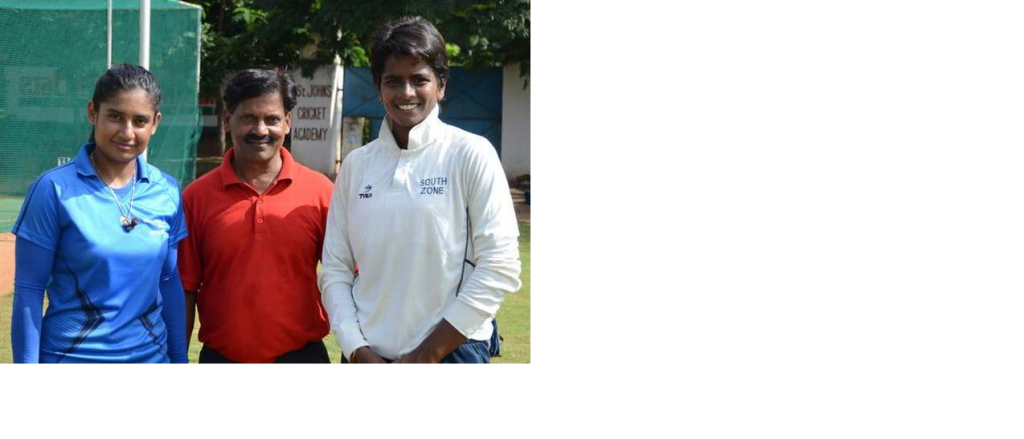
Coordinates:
[754,219]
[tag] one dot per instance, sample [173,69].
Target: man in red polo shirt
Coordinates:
[256,230]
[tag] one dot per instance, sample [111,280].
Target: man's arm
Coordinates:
[190,264]
[190,316]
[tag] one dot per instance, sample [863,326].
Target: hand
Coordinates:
[441,342]
[415,357]
[366,355]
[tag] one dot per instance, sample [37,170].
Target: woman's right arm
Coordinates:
[38,230]
[337,271]
[33,265]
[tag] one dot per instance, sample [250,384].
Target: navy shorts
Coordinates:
[472,351]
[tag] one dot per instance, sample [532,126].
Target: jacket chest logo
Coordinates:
[366,192]
[433,186]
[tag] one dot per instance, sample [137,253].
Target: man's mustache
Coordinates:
[252,138]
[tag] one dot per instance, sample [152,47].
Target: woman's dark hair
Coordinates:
[412,36]
[251,83]
[121,78]
[125,77]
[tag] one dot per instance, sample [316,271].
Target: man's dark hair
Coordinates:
[125,77]
[413,36]
[251,83]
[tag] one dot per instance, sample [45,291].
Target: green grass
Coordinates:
[513,318]
[6,304]
[514,314]
[9,208]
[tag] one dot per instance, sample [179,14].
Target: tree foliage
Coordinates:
[308,33]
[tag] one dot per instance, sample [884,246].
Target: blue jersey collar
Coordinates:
[84,165]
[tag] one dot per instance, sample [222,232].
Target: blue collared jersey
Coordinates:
[104,294]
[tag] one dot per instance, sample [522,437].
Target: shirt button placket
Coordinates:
[261,227]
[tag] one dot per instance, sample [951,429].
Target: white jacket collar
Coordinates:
[419,135]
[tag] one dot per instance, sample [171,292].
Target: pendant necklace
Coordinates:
[127,221]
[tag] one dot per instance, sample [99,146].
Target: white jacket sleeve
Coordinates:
[337,271]
[494,233]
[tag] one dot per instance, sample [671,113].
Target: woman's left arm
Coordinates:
[173,293]
[495,234]
[173,312]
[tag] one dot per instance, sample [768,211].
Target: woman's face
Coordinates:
[124,124]
[409,91]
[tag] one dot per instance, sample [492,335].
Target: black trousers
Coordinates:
[313,352]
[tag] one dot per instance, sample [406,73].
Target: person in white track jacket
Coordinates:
[422,240]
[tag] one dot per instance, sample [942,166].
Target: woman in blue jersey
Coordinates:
[99,234]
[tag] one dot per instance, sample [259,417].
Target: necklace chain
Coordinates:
[126,217]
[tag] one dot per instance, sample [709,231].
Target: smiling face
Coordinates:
[123,125]
[409,91]
[258,127]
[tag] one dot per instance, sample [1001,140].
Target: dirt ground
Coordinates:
[6,263]
[7,245]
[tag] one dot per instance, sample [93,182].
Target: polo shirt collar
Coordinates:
[228,176]
[84,166]
[420,135]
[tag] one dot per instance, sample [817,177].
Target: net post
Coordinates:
[110,32]
[144,43]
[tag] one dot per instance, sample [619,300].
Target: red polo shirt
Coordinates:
[252,258]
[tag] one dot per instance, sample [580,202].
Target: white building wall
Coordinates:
[515,124]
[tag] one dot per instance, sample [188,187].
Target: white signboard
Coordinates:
[316,119]
[29,91]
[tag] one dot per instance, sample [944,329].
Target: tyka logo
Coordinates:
[366,192]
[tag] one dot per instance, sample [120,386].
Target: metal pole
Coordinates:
[144,33]
[110,32]
[144,44]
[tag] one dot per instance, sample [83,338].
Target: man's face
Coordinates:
[258,127]
[409,90]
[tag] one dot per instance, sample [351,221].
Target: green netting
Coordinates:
[52,52]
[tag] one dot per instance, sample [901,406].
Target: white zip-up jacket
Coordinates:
[434,234]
